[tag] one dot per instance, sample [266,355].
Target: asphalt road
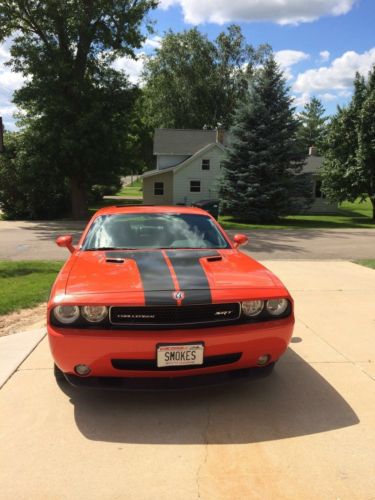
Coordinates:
[306,432]
[35,240]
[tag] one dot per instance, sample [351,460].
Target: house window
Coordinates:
[205,164]
[158,188]
[195,186]
[318,190]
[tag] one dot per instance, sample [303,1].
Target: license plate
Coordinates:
[179,355]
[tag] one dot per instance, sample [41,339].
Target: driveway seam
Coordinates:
[324,340]
[354,363]
[20,369]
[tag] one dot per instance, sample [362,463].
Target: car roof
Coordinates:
[150,209]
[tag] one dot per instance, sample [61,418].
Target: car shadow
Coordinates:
[50,230]
[294,401]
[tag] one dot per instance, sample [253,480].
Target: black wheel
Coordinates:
[59,376]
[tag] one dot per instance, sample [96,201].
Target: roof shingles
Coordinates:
[181,141]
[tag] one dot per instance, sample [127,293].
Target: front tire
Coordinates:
[59,375]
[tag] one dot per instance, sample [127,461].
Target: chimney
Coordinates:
[220,132]
[313,151]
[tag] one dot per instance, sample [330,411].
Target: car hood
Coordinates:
[158,270]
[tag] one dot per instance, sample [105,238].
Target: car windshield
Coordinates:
[153,230]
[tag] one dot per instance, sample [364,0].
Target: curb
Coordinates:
[15,348]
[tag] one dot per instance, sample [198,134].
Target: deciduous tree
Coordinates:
[191,82]
[349,166]
[30,186]
[65,50]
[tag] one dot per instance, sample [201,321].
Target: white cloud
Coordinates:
[9,82]
[345,93]
[324,55]
[279,11]
[165,4]
[132,67]
[4,53]
[327,97]
[288,58]
[338,76]
[153,43]
[301,100]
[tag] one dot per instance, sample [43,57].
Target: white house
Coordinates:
[188,164]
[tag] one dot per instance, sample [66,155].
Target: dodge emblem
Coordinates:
[178,295]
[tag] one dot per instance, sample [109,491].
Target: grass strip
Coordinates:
[25,284]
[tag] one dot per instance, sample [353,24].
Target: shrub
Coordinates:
[30,188]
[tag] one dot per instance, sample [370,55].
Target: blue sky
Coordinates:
[320,44]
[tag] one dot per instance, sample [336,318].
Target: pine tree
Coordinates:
[262,177]
[313,124]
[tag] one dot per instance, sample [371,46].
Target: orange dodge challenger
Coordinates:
[161,297]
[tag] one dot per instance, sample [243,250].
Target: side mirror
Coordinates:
[240,239]
[65,241]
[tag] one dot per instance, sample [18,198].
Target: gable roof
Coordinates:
[313,164]
[168,141]
[184,163]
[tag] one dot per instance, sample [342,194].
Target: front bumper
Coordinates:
[167,384]
[98,348]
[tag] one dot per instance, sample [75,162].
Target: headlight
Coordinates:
[66,314]
[94,314]
[276,307]
[252,307]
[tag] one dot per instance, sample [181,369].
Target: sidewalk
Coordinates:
[15,348]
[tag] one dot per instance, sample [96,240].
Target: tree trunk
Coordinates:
[372,198]
[79,209]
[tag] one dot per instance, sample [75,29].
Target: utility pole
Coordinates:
[1,135]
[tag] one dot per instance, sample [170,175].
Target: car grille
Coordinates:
[174,315]
[150,364]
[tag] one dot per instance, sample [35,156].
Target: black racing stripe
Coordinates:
[190,274]
[156,278]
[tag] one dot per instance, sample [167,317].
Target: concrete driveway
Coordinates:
[36,240]
[307,432]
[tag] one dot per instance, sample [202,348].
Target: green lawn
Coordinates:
[350,215]
[110,202]
[368,263]
[25,283]
[134,189]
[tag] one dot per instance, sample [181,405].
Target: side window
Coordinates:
[158,188]
[195,186]
[205,164]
